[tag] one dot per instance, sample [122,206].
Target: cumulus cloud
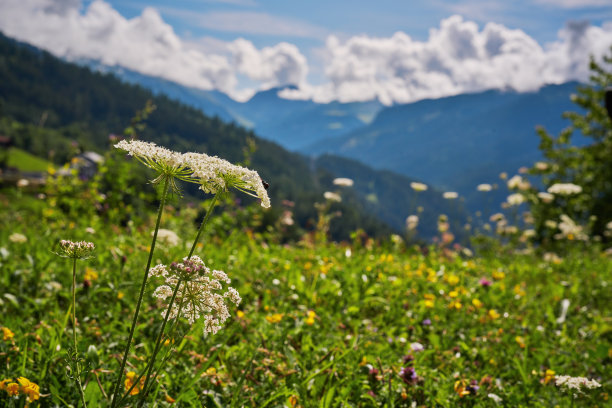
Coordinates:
[456,58]
[146,44]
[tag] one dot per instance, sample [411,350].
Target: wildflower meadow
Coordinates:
[196,305]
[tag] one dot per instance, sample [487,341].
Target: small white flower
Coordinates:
[564,189]
[484,187]
[450,195]
[329,196]
[515,199]
[418,186]
[416,347]
[412,222]
[76,250]
[343,182]
[546,197]
[23,183]
[167,237]
[564,307]
[541,166]
[18,238]
[495,398]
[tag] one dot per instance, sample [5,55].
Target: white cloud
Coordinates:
[282,64]
[148,45]
[456,58]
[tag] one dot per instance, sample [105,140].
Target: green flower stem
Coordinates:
[158,344]
[142,289]
[161,331]
[77,373]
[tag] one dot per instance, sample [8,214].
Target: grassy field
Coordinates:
[24,161]
[358,324]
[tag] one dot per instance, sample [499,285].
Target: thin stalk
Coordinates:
[142,289]
[77,373]
[161,331]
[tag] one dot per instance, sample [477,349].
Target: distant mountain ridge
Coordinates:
[457,142]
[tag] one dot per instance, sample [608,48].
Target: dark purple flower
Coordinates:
[485,282]
[409,375]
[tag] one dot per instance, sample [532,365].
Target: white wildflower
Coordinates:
[167,237]
[450,195]
[23,183]
[552,224]
[496,217]
[515,199]
[412,221]
[546,197]
[495,398]
[570,230]
[18,238]
[167,163]
[575,383]
[541,165]
[416,347]
[564,307]
[216,175]
[418,186]
[200,295]
[514,182]
[484,187]
[90,230]
[343,182]
[76,250]
[329,196]
[564,189]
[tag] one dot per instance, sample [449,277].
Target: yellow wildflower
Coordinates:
[120,295]
[521,341]
[7,334]
[29,388]
[311,317]
[90,274]
[429,303]
[169,399]
[452,279]
[363,361]
[3,384]
[498,275]
[293,400]
[453,293]
[211,371]
[240,314]
[460,389]
[549,376]
[12,389]
[129,381]
[274,318]
[493,314]
[477,303]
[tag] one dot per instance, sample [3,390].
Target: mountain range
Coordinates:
[50,107]
[452,143]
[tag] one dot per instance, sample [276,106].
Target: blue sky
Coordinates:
[396,51]
[315,19]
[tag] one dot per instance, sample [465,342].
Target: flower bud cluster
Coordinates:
[76,250]
[201,292]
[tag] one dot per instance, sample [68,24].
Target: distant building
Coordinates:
[86,165]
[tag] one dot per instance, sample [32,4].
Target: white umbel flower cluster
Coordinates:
[575,383]
[343,182]
[212,173]
[215,174]
[76,250]
[201,294]
[151,155]
[418,186]
[570,230]
[564,189]
[168,237]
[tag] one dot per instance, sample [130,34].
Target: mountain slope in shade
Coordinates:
[294,124]
[457,142]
